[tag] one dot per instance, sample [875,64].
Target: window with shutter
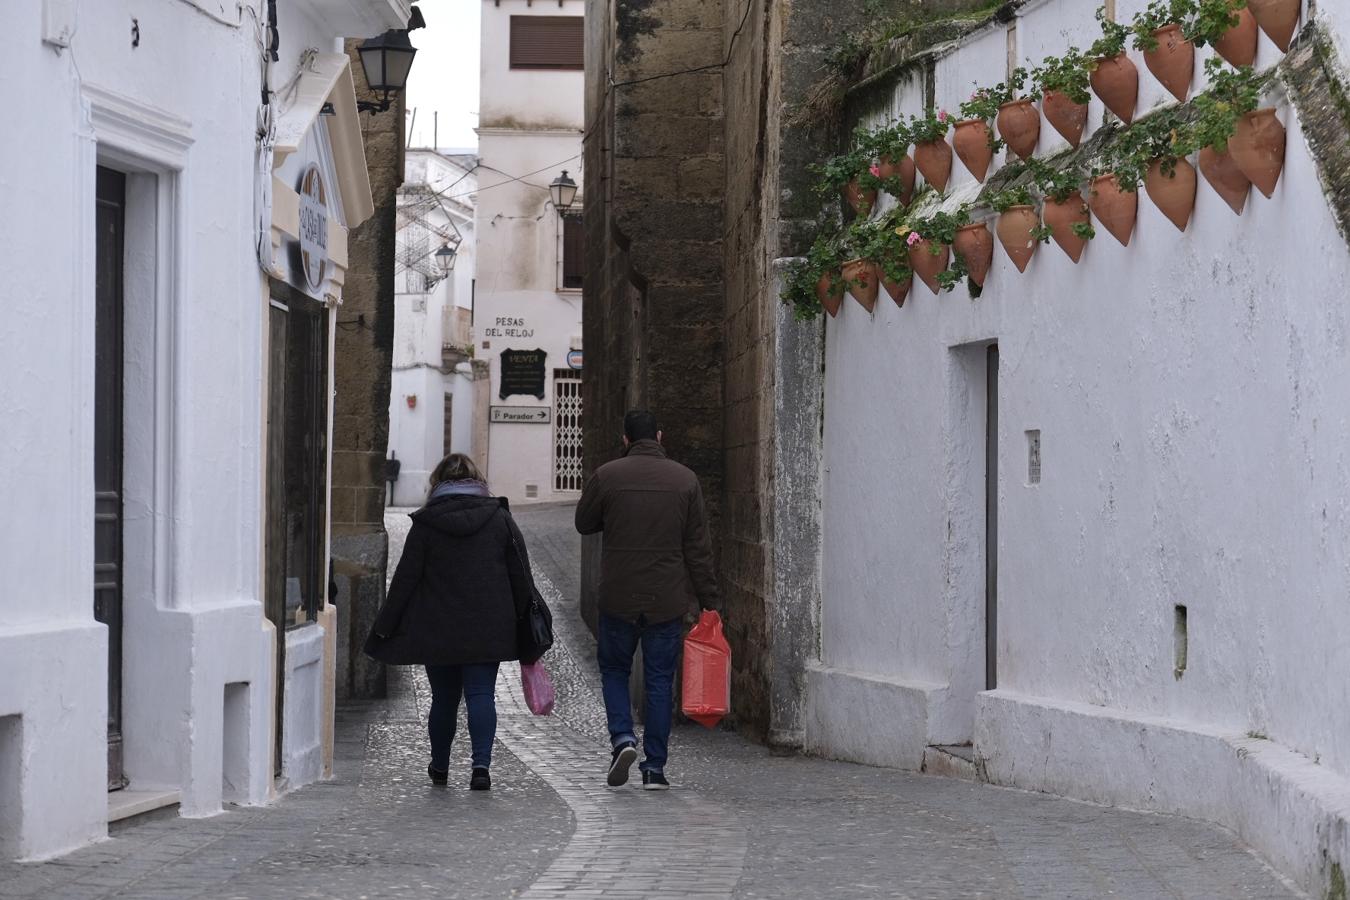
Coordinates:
[547,42]
[574,253]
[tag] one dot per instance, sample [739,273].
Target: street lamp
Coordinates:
[563,191]
[445,259]
[385,60]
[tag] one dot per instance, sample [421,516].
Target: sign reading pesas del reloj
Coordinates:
[309,259]
[522,373]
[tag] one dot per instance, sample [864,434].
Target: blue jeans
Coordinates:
[618,640]
[476,683]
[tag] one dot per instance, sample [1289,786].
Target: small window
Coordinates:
[547,42]
[573,253]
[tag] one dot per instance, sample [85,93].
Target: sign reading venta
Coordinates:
[313,244]
[522,373]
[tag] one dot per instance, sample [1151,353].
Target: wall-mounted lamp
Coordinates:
[445,259]
[386,60]
[563,192]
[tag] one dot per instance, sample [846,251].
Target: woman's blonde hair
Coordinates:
[456,467]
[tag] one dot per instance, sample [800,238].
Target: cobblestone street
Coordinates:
[741,822]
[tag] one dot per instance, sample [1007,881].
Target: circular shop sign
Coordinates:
[313,226]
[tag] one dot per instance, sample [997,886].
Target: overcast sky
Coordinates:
[444,76]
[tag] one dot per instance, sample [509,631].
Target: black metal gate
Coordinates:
[108,373]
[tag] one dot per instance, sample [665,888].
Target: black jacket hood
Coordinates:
[459,515]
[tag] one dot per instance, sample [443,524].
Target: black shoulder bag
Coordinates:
[534,627]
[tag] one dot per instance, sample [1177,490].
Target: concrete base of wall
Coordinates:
[302,731]
[1290,809]
[53,740]
[867,719]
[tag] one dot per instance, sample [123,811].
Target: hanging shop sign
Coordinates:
[574,359]
[310,265]
[522,373]
[520,415]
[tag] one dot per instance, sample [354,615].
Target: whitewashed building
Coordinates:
[527,319]
[162,635]
[438,396]
[1094,522]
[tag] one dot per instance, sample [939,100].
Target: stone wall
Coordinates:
[363,360]
[654,163]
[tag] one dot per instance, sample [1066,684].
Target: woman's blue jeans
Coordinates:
[477,683]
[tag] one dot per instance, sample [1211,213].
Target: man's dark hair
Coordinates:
[639,425]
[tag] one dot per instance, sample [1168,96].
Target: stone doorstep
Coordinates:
[124,804]
[956,761]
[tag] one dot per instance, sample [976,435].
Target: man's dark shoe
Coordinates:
[438,777]
[480,780]
[654,781]
[624,756]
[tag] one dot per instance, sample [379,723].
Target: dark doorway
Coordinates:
[447,426]
[297,470]
[991,520]
[110,222]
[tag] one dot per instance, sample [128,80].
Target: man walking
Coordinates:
[655,567]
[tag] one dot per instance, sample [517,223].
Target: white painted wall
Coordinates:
[1187,390]
[416,434]
[177,112]
[530,129]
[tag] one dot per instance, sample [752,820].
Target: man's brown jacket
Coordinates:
[657,559]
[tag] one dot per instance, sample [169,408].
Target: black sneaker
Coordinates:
[480,780]
[654,781]
[438,777]
[624,756]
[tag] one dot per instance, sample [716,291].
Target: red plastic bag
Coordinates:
[706,685]
[538,687]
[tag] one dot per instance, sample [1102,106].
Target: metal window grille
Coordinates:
[566,430]
[1034,457]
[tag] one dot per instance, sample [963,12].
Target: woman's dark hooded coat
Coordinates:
[458,590]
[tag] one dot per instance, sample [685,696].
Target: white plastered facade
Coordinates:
[174,107]
[1188,395]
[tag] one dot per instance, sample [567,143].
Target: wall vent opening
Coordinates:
[1181,639]
[1034,457]
[11,752]
[234,772]
[531,490]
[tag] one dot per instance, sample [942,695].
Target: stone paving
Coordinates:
[740,823]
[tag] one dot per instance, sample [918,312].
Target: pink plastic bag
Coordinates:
[539,695]
[706,688]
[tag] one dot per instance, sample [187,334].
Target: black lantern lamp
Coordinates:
[563,192]
[386,61]
[445,259]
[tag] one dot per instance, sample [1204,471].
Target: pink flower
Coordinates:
[875,170]
[914,238]
[942,116]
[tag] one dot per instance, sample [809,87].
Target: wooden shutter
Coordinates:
[574,252]
[547,42]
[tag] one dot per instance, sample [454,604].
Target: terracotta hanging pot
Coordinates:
[1014,233]
[1277,18]
[904,170]
[1114,208]
[1172,62]
[830,292]
[1067,117]
[928,265]
[1238,44]
[1060,217]
[861,276]
[1019,124]
[859,200]
[1225,177]
[1116,81]
[934,160]
[975,245]
[1257,146]
[972,140]
[897,290]
[1175,195]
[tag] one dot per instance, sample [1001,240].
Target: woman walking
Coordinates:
[460,588]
